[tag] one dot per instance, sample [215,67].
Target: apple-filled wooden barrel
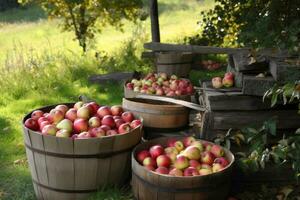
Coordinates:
[71,169]
[158,116]
[174,63]
[153,185]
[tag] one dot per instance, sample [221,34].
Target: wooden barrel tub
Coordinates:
[66,169]
[148,185]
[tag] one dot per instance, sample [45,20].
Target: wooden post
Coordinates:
[154,21]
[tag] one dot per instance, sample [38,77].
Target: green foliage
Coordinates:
[87,17]
[7,4]
[263,23]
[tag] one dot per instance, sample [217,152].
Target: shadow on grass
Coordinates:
[23,14]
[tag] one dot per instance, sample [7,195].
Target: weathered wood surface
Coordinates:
[257,86]
[148,185]
[284,72]
[154,21]
[245,63]
[155,46]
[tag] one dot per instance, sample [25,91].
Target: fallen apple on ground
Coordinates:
[191,158]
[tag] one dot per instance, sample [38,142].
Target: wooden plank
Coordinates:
[245,63]
[154,21]
[257,86]
[155,46]
[284,72]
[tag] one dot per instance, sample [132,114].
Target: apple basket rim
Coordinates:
[134,152]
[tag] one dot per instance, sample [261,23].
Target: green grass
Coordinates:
[39,66]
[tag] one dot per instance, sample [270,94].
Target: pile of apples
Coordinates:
[227,81]
[187,157]
[84,120]
[161,84]
[210,65]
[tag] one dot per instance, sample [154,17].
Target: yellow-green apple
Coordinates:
[149,161]
[62,108]
[221,160]
[63,133]
[97,132]
[142,155]
[190,171]
[198,144]
[172,153]
[56,115]
[116,110]
[192,153]
[163,161]
[195,164]
[103,111]
[37,114]
[187,141]
[32,124]
[49,130]
[84,135]
[217,167]
[205,166]
[217,82]
[119,122]
[207,146]
[207,158]
[179,145]
[105,127]
[159,91]
[124,128]
[94,122]
[156,151]
[204,171]
[109,121]
[217,150]
[174,77]
[163,75]
[136,89]
[71,114]
[83,112]
[181,162]
[228,79]
[78,105]
[162,170]
[65,124]
[127,116]
[111,132]
[175,172]
[135,123]
[80,125]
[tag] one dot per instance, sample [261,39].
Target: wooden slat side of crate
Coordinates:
[284,72]
[257,86]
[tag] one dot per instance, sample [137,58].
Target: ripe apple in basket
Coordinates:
[37,114]
[156,151]
[71,114]
[149,161]
[105,127]
[112,132]
[93,106]
[94,122]
[32,124]
[163,161]
[127,116]
[84,135]
[119,122]
[63,133]
[97,132]
[116,110]
[176,172]
[217,82]
[124,128]
[49,130]
[190,171]
[78,105]
[142,155]
[103,111]
[135,123]
[80,125]
[62,108]
[228,79]
[83,112]
[162,170]
[109,121]
[65,124]
[56,116]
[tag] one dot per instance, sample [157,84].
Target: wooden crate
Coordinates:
[283,71]
[225,110]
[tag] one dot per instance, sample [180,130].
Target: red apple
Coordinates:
[149,161]
[171,142]
[105,128]
[135,123]
[78,105]
[93,107]
[84,135]
[171,94]
[187,141]
[80,125]
[195,164]
[178,92]
[142,155]
[116,110]
[109,121]
[150,167]
[156,151]
[160,92]
[112,132]
[189,89]
[181,162]
[230,75]
[94,122]
[43,124]
[175,172]
[119,122]
[62,108]
[190,171]
[117,117]
[63,133]
[207,158]
[74,136]
[41,119]
[71,114]
[227,81]
[130,86]
[65,124]
[163,161]
[32,124]
[103,111]
[124,128]
[83,112]
[49,117]
[217,150]
[49,130]
[37,114]
[222,161]
[97,132]
[127,116]
[162,170]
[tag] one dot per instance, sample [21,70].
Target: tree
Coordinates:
[254,23]
[7,4]
[87,17]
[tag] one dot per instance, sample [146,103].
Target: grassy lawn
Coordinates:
[39,66]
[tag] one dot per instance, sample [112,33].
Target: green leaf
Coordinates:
[274,99]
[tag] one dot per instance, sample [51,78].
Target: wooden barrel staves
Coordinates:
[158,116]
[178,63]
[66,169]
[148,185]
